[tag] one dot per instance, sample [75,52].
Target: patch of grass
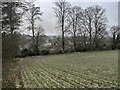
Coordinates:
[9,73]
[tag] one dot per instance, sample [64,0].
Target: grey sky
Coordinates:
[50,21]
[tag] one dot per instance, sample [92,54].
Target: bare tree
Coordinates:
[73,19]
[39,32]
[33,13]
[89,21]
[99,23]
[61,11]
[92,23]
[86,22]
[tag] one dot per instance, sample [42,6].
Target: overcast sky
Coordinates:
[50,21]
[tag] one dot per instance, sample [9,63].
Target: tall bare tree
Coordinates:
[86,20]
[73,19]
[61,11]
[99,23]
[89,22]
[39,32]
[33,13]
[92,22]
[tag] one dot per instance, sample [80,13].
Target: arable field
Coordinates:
[74,70]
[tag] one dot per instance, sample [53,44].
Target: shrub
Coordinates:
[56,51]
[68,51]
[81,48]
[113,46]
[107,47]
[59,51]
[37,52]
[27,52]
[118,46]
[44,52]
[90,47]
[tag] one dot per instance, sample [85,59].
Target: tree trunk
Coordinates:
[118,38]
[37,42]
[74,38]
[84,39]
[33,33]
[96,38]
[63,40]
[96,42]
[114,42]
[90,38]
[90,33]
[63,43]
[74,35]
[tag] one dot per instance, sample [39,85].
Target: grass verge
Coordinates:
[10,69]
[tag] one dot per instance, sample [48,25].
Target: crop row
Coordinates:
[43,74]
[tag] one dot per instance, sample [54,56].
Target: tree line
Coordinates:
[86,27]
[89,23]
